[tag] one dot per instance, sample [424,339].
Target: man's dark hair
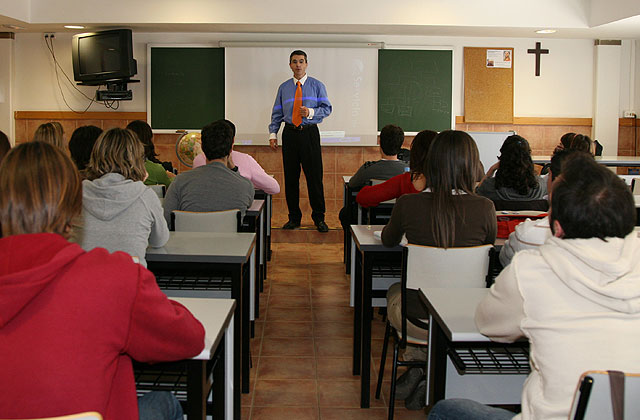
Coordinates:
[590,201]
[233,127]
[298,52]
[81,144]
[391,139]
[217,139]
[560,157]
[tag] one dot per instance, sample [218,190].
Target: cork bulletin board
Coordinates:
[488,91]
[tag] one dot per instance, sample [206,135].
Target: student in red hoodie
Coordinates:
[70,320]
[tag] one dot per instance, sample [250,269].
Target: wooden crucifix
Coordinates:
[537,51]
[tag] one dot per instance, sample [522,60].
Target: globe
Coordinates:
[188,147]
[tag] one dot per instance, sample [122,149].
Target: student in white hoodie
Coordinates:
[576,298]
[119,212]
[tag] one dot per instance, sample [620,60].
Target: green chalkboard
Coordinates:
[415,89]
[187,86]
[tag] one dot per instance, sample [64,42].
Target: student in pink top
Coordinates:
[248,168]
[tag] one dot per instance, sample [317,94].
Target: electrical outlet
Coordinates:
[49,35]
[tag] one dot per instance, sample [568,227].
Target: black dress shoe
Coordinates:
[290,225]
[322,226]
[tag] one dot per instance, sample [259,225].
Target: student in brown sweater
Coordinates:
[447,214]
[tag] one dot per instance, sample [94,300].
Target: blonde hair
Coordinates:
[40,190]
[51,133]
[117,151]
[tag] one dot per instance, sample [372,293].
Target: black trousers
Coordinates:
[301,148]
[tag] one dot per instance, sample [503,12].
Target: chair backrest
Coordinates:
[92,415]
[159,189]
[377,181]
[592,400]
[635,186]
[426,266]
[210,221]
[540,205]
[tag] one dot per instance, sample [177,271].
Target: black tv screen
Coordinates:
[103,56]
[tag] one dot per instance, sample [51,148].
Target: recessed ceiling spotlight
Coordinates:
[10,26]
[546,31]
[74,26]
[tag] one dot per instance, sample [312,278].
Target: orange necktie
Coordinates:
[296,118]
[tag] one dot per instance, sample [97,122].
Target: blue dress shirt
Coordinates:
[314,95]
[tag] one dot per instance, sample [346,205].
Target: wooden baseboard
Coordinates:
[67,115]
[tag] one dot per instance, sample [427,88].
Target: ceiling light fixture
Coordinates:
[74,26]
[546,31]
[10,26]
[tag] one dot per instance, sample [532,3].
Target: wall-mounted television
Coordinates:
[103,56]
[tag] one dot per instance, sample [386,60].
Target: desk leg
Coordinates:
[220,409]
[367,314]
[437,368]
[357,311]
[268,228]
[197,389]
[232,402]
[246,277]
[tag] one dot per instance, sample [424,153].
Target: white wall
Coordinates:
[564,89]
[6,87]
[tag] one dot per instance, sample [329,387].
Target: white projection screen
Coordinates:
[253,74]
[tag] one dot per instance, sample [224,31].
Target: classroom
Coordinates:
[568,66]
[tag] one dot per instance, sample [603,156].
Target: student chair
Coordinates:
[539,205]
[606,395]
[159,189]
[210,221]
[424,267]
[380,214]
[92,415]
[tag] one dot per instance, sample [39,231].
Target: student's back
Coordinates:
[119,212]
[70,320]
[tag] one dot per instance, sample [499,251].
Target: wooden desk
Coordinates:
[204,264]
[365,250]
[604,160]
[452,330]
[213,367]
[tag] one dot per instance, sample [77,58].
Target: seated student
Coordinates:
[51,133]
[447,214]
[81,144]
[391,139]
[119,212]
[533,233]
[576,298]
[248,167]
[571,141]
[406,183]
[215,186]
[514,176]
[70,320]
[158,174]
[5,146]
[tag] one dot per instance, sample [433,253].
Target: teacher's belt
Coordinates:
[299,127]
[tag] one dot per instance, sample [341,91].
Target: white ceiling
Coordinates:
[590,19]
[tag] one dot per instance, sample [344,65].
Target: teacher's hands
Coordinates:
[304,111]
[273,143]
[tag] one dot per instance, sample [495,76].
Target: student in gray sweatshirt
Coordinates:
[216,186]
[119,212]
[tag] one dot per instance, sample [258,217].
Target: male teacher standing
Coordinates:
[302,104]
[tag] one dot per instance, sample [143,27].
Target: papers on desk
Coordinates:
[378,234]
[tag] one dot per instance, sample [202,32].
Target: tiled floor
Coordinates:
[303,343]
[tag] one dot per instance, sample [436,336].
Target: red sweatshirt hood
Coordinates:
[26,269]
